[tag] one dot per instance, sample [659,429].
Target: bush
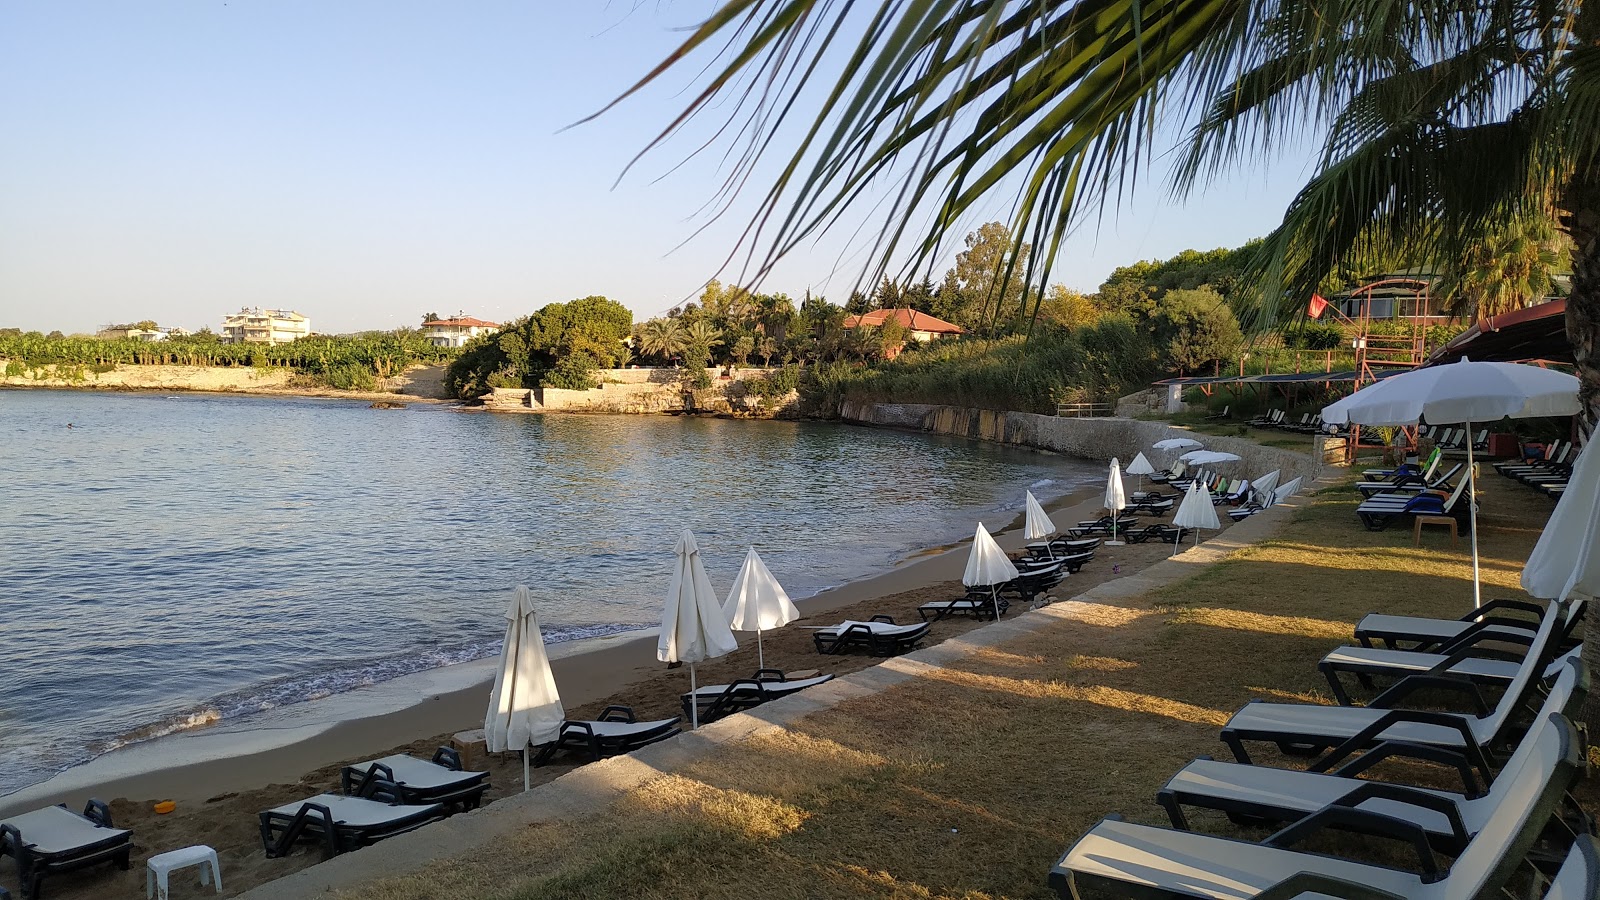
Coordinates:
[1319,336]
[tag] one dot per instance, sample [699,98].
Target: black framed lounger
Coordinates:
[719,700]
[1449,818]
[976,605]
[440,780]
[1418,633]
[55,839]
[340,824]
[881,635]
[1308,729]
[1121,859]
[615,732]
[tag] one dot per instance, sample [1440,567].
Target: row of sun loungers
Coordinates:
[1308,423]
[1546,472]
[1515,758]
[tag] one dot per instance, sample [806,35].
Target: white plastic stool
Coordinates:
[162,864]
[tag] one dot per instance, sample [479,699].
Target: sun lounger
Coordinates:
[54,839]
[1475,661]
[1381,511]
[1412,484]
[1150,507]
[614,733]
[1425,467]
[1306,729]
[1449,818]
[340,824]
[881,635]
[719,700]
[1417,633]
[419,781]
[1117,858]
[976,605]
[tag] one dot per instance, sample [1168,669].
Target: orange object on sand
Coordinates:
[165,807]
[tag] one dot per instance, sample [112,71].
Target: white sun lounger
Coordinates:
[882,635]
[419,780]
[1306,728]
[1450,818]
[340,823]
[615,732]
[55,839]
[718,700]
[1424,633]
[1117,858]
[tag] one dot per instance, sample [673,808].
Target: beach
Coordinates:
[223,779]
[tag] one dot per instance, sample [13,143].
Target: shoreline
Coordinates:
[283,744]
[302,393]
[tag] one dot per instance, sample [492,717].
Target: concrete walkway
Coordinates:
[596,785]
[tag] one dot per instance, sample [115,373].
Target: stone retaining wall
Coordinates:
[1085,438]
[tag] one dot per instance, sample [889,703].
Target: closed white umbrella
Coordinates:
[1036,525]
[1116,499]
[1140,467]
[988,566]
[1566,560]
[1196,512]
[1289,489]
[524,705]
[1465,392]
[693,627]
[1263,487]
[758,602]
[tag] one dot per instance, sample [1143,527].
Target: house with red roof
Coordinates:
[920,326]
[455,332]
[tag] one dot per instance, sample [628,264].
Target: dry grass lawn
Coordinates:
[969,783]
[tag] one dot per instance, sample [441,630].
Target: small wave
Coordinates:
[1043,482]
[339,679]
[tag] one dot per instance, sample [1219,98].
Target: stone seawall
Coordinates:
[1085,438]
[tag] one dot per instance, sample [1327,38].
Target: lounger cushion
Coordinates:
[421,774]
[622,729]
[54,830]
[1204,866]
[1340,722]
[1300,791]
[1407,661]
[885,629]
[780,688]
[1418,628]
[357,812]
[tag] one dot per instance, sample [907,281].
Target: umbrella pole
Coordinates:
[994,593]
[1472,508]
[524,769]
[694,702]
[761,658]
[1175,539]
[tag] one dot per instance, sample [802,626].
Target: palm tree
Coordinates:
[1439,121]
[662,337]
[1513,268]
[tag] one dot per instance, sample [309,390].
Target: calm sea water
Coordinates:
[171,561]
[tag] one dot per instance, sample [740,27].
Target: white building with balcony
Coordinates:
[264,326]
[455,332]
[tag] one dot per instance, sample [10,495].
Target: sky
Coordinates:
[367,162]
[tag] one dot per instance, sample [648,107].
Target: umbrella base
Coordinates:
[1112,543]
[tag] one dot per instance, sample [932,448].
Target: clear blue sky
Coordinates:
[366,162]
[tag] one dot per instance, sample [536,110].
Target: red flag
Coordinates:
[1316,307]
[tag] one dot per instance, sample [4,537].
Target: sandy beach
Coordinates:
[221,781]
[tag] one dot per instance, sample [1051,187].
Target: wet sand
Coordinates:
[220,784]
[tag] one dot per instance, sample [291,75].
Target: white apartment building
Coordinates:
[455,332]
[264,326]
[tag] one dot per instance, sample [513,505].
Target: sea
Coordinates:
[168,563]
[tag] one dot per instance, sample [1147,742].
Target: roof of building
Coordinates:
[1532,333]
[910,318]
[460,322]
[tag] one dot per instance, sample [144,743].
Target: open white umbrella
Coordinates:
[758,602]
[1036,525]
[1140,467]
[1116,499]
[1465,392]
[1208,457]
[524,705]
[1176,444]
[988,566]
[1196,512]
[1566,560]
[693,628]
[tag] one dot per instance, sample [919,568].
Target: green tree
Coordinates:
[1068,308]
[1196,328]
[559,346]
[661,337]
[986,284]
[1513,267]
[429,317]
